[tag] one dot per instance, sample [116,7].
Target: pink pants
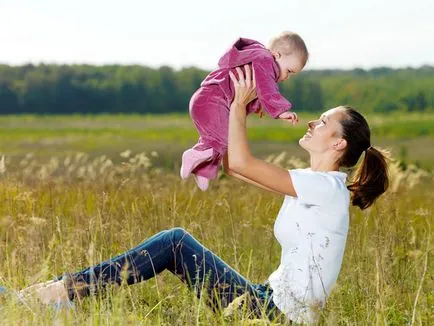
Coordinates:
[209,111]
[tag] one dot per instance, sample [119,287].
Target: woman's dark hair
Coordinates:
[370,179]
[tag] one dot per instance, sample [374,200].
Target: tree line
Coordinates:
[66,89]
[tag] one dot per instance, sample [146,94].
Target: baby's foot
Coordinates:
[202,182]
[192,158]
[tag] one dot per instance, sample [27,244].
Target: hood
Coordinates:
[243,51]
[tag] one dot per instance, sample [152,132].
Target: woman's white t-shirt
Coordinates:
[312,230]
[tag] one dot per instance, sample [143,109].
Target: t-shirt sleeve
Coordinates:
[268,92]
[313,188]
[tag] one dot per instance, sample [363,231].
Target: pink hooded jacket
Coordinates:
[209,106]
[245,51]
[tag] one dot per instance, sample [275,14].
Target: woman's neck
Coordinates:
[323,163]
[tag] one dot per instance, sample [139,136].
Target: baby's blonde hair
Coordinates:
[288,43]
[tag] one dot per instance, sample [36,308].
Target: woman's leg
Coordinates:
[175,250]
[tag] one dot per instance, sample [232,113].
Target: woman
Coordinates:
[311,226]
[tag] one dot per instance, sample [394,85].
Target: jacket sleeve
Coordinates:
[268,90]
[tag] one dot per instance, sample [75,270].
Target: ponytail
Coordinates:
[370,179]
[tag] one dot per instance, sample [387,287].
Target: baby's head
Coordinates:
[290,53]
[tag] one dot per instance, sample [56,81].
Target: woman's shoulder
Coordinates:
[308,172]
[319,186]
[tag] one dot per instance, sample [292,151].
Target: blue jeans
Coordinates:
[179,252]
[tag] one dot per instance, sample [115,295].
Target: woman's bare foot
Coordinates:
[51,292]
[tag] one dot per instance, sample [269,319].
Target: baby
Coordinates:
[209,105]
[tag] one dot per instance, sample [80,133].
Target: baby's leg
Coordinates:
[210,113]
[209,110]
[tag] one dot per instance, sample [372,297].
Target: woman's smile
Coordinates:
[308,134]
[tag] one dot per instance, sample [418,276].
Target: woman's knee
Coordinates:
[178,234]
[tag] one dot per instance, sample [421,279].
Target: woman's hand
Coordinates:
[245,87]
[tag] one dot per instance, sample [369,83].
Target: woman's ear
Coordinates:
[340,144]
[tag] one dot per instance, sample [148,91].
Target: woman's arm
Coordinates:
[239,176]
[240,159]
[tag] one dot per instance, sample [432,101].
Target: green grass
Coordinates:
[170,135]
[61,211]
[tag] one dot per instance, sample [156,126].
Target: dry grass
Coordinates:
[63,213]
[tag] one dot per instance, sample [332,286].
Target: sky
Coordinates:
[338,33]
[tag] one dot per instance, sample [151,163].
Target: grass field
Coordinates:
[76,190]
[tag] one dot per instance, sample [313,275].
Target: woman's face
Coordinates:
[324,133]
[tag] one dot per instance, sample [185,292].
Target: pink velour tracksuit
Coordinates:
[209,106]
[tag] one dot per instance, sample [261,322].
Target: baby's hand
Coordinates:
[289,116]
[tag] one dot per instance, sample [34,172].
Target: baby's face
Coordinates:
[289,65]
